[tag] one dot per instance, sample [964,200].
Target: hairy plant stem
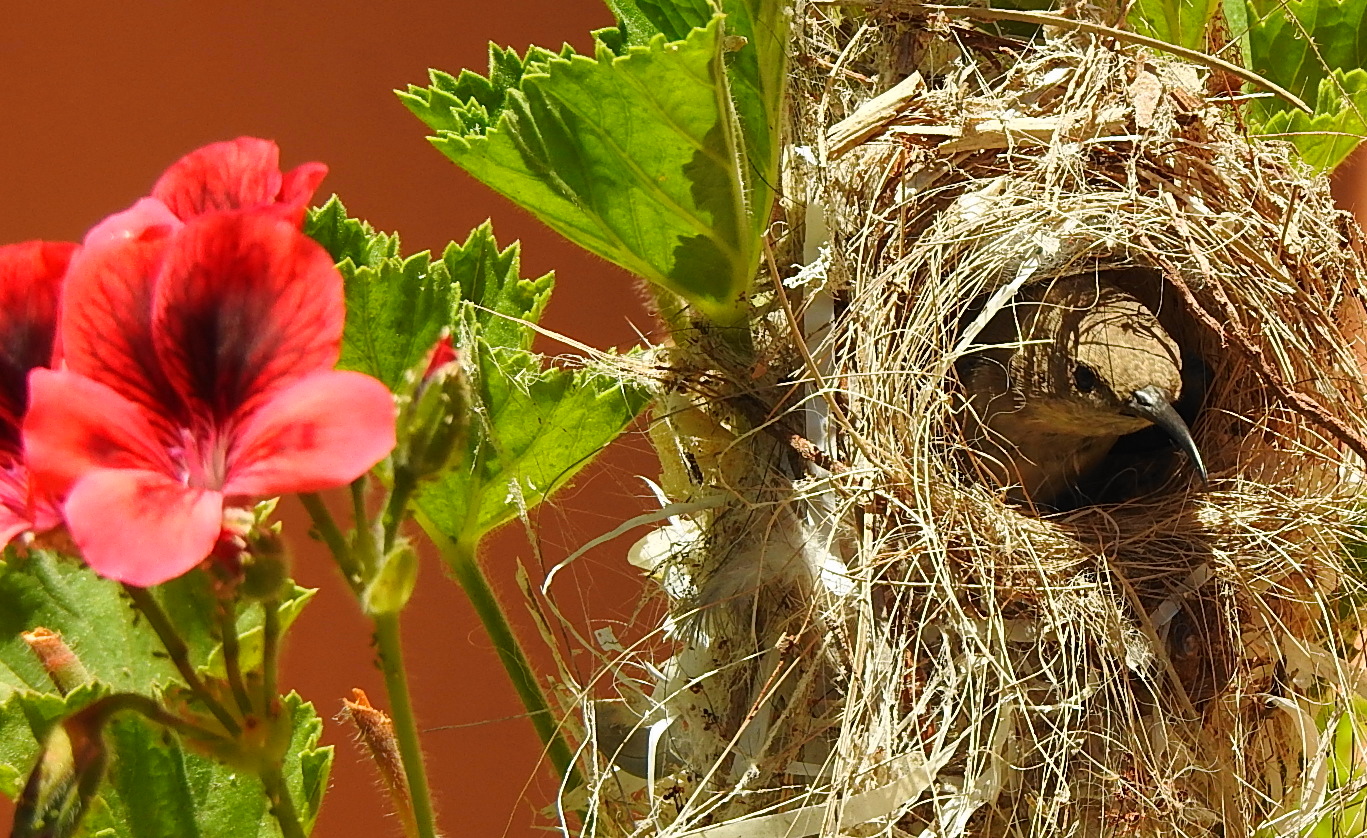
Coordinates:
[179,653]
[282,805]
[232,656]
[364,548]
[270,649]
[399,496]
[102,709]
[336,542]
[459,556]
[389,642]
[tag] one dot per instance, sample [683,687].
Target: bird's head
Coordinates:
[1107,363]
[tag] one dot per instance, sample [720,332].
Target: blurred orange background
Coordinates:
[97,98]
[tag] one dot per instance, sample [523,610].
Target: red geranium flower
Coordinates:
[199,372]
[235,174]
[30,285]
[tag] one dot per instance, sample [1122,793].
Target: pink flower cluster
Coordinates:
[177,362]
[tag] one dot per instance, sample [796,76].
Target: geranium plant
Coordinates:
[223,342]
[170,376]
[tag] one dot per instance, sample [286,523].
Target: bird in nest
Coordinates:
[1058,376]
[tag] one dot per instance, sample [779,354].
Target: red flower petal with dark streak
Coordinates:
[253,304]
[30,283]
[236,174]
[199,372]
[106,329]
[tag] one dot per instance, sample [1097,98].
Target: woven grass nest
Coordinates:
[878,642]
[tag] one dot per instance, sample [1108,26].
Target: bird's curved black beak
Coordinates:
[1152,404]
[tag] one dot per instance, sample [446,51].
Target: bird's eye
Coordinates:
[1084,378]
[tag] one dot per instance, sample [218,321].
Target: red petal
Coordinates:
[246,304]
[323,431]
[443,352]
[141,527]
[130,224]
[20,509]
[236,174]
[10,526]
[75,425]
[14,506]
[106,320]
[299,184]
[30,283]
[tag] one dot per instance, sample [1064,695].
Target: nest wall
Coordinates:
[1143,666]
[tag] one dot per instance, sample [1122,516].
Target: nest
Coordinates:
[869,637]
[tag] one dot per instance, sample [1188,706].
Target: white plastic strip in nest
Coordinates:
[916,777]
[1304,808]
[1306,660]
[1168,608]
[818,317]
[674,513]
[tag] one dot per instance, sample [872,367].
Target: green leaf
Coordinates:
[1337,126]
[349,239]
[99,624]
[1298,43]
[641,20]
[25,718]
[537,428]
[758,69]
[95,619]
[756,58]
[637,157]
[121,652]
[1317,49]
[398,306]
[169,791]
[490,279]
[1180,22]
[157,787]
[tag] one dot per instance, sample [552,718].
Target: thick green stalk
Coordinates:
[459,556]
[270,650]
[232,661]
[282,805]
[399,496]
[335,540]
[390,644]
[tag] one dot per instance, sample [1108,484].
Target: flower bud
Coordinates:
[265,566]
[61,664]
[375,733]
[435,415]
[250,558]
[63,783]
[393,583]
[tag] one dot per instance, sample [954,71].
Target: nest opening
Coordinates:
[1140,463]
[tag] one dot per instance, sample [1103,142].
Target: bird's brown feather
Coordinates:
[1047,392]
